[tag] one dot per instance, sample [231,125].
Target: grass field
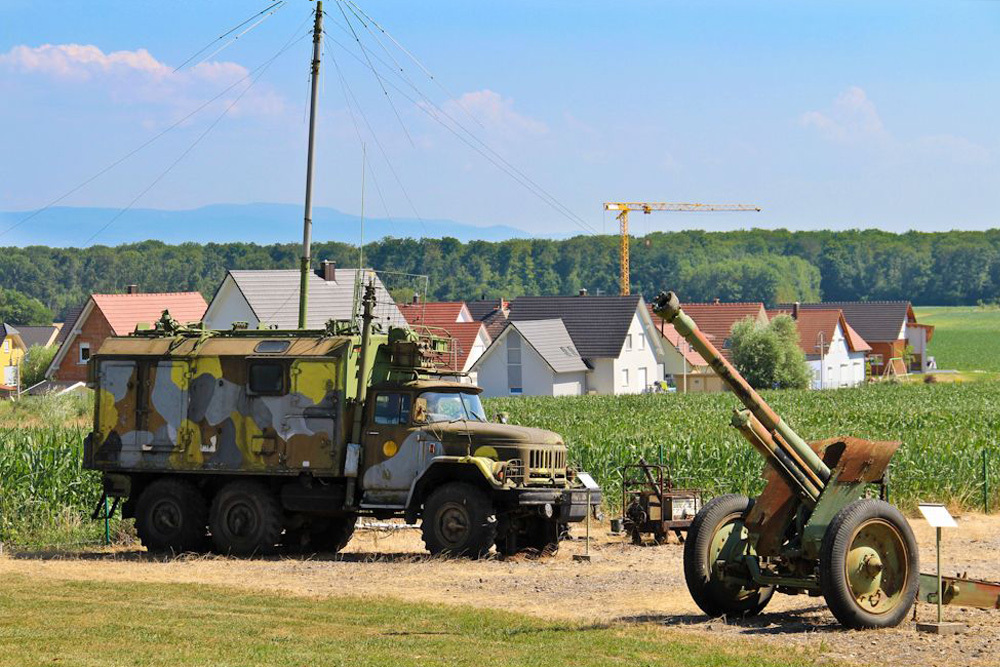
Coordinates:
[966,338]
[45,622]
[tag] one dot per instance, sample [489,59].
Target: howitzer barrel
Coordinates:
[812,474]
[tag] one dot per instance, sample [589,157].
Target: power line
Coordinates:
[417,62]
[347,91]
[277,5]
[364,51]
[151,140]
[486,151]
[195,143]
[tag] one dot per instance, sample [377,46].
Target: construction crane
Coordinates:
[649,207]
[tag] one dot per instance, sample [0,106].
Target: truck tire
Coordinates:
[332,535]
[534,537]
[869,565]
[245,519]
[458,520]
[172,515]
[705,540]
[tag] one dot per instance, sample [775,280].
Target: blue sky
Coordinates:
[827,115]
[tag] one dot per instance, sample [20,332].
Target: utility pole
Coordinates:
[307,223]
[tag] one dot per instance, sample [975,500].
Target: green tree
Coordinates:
[36,361]
[768,355]
[17,308]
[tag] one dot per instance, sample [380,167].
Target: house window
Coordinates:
[84,353]
[876,359]
[624,377]
[628,343]
[6,346]
[514,363]
[642,341]
[643,379]
[392,409]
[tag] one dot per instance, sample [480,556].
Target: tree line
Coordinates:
[941,268]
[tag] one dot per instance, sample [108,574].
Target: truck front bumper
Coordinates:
[567,505]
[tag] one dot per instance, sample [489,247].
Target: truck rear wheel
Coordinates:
[332,535]
[458,520]
[246,519]
[172,515]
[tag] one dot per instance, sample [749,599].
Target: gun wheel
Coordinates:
[869,565]
[717,534]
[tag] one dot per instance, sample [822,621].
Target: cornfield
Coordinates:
[944,429]
[46,497]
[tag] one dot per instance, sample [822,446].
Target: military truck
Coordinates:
[250,440]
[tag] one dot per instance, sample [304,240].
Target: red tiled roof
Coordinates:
[855,341]
[716,320]
[432,311]
[811,323]
[124,311]
[670,333]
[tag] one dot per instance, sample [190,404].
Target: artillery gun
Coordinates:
[811,530]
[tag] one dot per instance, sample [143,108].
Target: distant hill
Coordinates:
[226,223]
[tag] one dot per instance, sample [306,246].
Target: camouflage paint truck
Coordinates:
[249,439]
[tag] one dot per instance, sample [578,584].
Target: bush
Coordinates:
[36,362]
[768,355]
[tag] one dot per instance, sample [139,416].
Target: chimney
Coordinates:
[583,291]
[328,270]
[131,289]
[795,310]
[416,298]
[716,302]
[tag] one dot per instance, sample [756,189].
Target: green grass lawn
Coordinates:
[966,338]
[46,622]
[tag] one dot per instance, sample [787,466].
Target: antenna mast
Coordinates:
[307,223]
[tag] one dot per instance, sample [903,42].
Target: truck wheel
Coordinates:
[458,520]
[332,535]
[532,536]
[868,565]
[717,532]
[245,519]
[171,515]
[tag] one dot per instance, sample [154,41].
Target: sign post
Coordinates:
[938,517]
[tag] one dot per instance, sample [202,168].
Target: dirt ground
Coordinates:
[622,584]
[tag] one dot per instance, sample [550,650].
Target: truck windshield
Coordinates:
[453,406]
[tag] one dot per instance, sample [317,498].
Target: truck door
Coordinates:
[313,437]
[392,455]
[121,400]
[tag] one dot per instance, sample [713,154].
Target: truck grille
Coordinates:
[547,463]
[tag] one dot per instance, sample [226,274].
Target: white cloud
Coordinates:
[495,112]
[954,148]
[852,118]
[137,76]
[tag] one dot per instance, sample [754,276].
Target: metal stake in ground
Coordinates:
[585,556]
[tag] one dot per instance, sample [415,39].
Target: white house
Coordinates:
[271,298]
[834,351]
[532,358]
[555,346]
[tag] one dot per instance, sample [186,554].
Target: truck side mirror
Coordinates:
[420,411]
